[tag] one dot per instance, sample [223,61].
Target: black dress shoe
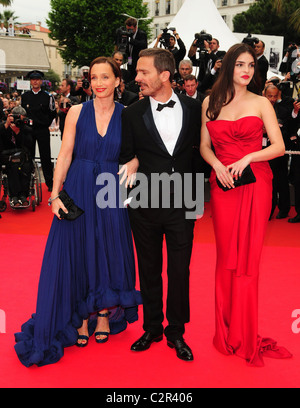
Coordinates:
[182,349]
[281,215]
[295,219]
[144,342]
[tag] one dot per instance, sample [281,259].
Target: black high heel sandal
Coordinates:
[82,337]
[102,333]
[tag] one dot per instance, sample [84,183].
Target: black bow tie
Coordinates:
[170,104]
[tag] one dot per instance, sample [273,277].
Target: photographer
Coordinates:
[290,66]
[124,96]
[208,48]
[83,88]
[119,58]
[291,53]
[169,42]
[211,77]
[185,68]
[16,136]
[285,113]
[136,41]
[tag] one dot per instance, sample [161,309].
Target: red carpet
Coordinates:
[112,365]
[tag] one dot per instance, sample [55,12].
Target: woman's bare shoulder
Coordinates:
[259,101]
[75,110]
[205,102]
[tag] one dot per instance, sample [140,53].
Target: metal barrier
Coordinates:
[55,144]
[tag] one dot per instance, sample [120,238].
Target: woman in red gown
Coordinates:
[232,121]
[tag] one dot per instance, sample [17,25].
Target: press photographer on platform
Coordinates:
[208,49]
[131,41]
[168,41]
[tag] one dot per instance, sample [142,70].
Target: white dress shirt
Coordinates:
[168,121]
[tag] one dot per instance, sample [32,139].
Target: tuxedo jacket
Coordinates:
[141,138]
[138,43]
[203,63]
[263,66]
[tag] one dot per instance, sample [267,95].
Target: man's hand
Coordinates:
[297,106]
[9,121]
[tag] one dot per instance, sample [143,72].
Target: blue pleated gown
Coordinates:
[88,263]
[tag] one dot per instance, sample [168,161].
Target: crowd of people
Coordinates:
[10,30]
[148,120]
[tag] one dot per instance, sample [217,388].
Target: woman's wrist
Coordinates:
[52,198]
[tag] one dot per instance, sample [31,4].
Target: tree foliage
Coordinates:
[54,78]
[263,18]
[85,29]
[5,3]
[294,20]
[8,15]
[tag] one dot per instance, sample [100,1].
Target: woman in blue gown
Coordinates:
[87,281]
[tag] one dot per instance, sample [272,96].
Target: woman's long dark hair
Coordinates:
[223,92]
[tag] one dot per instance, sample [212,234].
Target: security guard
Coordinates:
[40,107]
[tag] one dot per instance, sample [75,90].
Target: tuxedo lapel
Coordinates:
[185,120]
[152,129]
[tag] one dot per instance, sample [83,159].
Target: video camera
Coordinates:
[19,122]
[165,38]
[122,36]
[290,49]
[201,37]
[286,87]
[250,40]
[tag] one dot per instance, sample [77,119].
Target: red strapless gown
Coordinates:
[240,218]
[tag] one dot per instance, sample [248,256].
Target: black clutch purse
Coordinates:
[247,177]
[73,210]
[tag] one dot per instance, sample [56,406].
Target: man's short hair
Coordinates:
[263,44]
[186,62]
[163,60]
[131,22]
[190,78]
[116,52]
[19,110]
[69,82]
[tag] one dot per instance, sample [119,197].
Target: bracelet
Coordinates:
[52,199]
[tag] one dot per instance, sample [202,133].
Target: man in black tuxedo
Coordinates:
[137,41]
[262,62]
[158,135]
